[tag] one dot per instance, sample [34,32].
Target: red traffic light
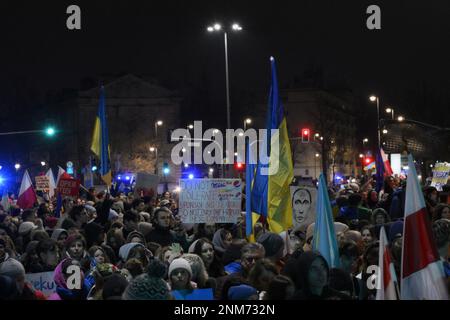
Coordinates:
[239,166]
[305,134]
[368,160]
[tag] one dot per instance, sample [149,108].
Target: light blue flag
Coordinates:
[324,239]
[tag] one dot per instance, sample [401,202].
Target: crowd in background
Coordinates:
[135,248]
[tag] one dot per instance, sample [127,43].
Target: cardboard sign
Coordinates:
[440,175]
[210,200]
[69,187]
[146,184]
[42,281]
[303,205]
[42,183]
[196,294]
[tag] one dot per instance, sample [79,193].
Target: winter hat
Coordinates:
[26,227]
[164,203]
[396,230]
[241,292]
[124,250]
[112,214]
[135,234]
[90,203]
[145,228]
[90,208]
[57,232]
[180,263]
[114,286]
[149,286]
[51,222]
[271,242]
[12,268]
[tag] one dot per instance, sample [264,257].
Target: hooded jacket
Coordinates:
[62,291]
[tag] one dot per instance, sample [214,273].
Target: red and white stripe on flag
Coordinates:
[387,285]
[27,197]
[387,166]
[422,271]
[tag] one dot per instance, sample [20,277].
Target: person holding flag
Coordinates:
[387,288]
[100,140]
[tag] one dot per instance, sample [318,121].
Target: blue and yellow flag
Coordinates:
[270,193]
[324,238]
[100,140]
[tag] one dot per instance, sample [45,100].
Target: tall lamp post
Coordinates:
[377,100]
[158,123]
[218,28]
[247,122]
[155,150]
[391,111]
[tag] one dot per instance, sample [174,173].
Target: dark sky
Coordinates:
[407,62]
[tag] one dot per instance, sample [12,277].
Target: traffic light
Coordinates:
[50,131]
[239,166]
[368,160]
[305,135]
[166,168]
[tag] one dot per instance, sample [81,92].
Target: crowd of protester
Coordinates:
[136,248]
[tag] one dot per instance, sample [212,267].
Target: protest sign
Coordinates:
[146,184]
[440,175]
[42,183]
[210,200]
[303,205]
[196,294]
[42,281]
[69,187]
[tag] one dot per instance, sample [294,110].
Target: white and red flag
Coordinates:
[27,197]
[62,174]
[422,272]
[387,165]
[387,285]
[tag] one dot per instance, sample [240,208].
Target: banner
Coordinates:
[440,175]
[303,205]
[210,200]
[146,183]
[42,183]
[42,281]
[69,187]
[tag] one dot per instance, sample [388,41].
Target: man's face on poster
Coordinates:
[301,205]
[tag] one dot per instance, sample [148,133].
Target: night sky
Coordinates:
[407,62]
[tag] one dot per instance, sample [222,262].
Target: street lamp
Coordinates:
[377,100]
[17,166]
[391,111]
[155,150]
[385,131]
[191,126]
[365,140]
[361,156]
[400,118]
[43,163]
[246,122]
[158,123]
[216,28]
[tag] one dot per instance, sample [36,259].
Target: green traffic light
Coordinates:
[50,131]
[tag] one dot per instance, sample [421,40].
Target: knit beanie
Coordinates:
[26,227]
[149,286]
[112,214]
[271,242]
[180,263]
[241,292]
[145,228]
[395,230]
[114,286]
[12,268]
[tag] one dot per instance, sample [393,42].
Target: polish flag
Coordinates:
[387,166]
[52,184]
[27,197]
[423,276]
[387,285]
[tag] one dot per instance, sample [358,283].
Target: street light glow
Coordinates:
[236,27]
[400,118]
[248,121]
[361,155]
[388,110]
[50,131]
[373,98]
[191,126]
[241,134]
[211,170]
[159,123]
[317,135]
[210,29]
[152,149]
[385,131]
[217,27]
[43,163]
[17,166]
[365,140]
[317,155]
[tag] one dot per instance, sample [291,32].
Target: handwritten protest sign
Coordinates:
[42,281]
[42,183]
[440,175]
[69,187]
[210,200]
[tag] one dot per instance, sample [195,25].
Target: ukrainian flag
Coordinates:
[100,140]
[270,194]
